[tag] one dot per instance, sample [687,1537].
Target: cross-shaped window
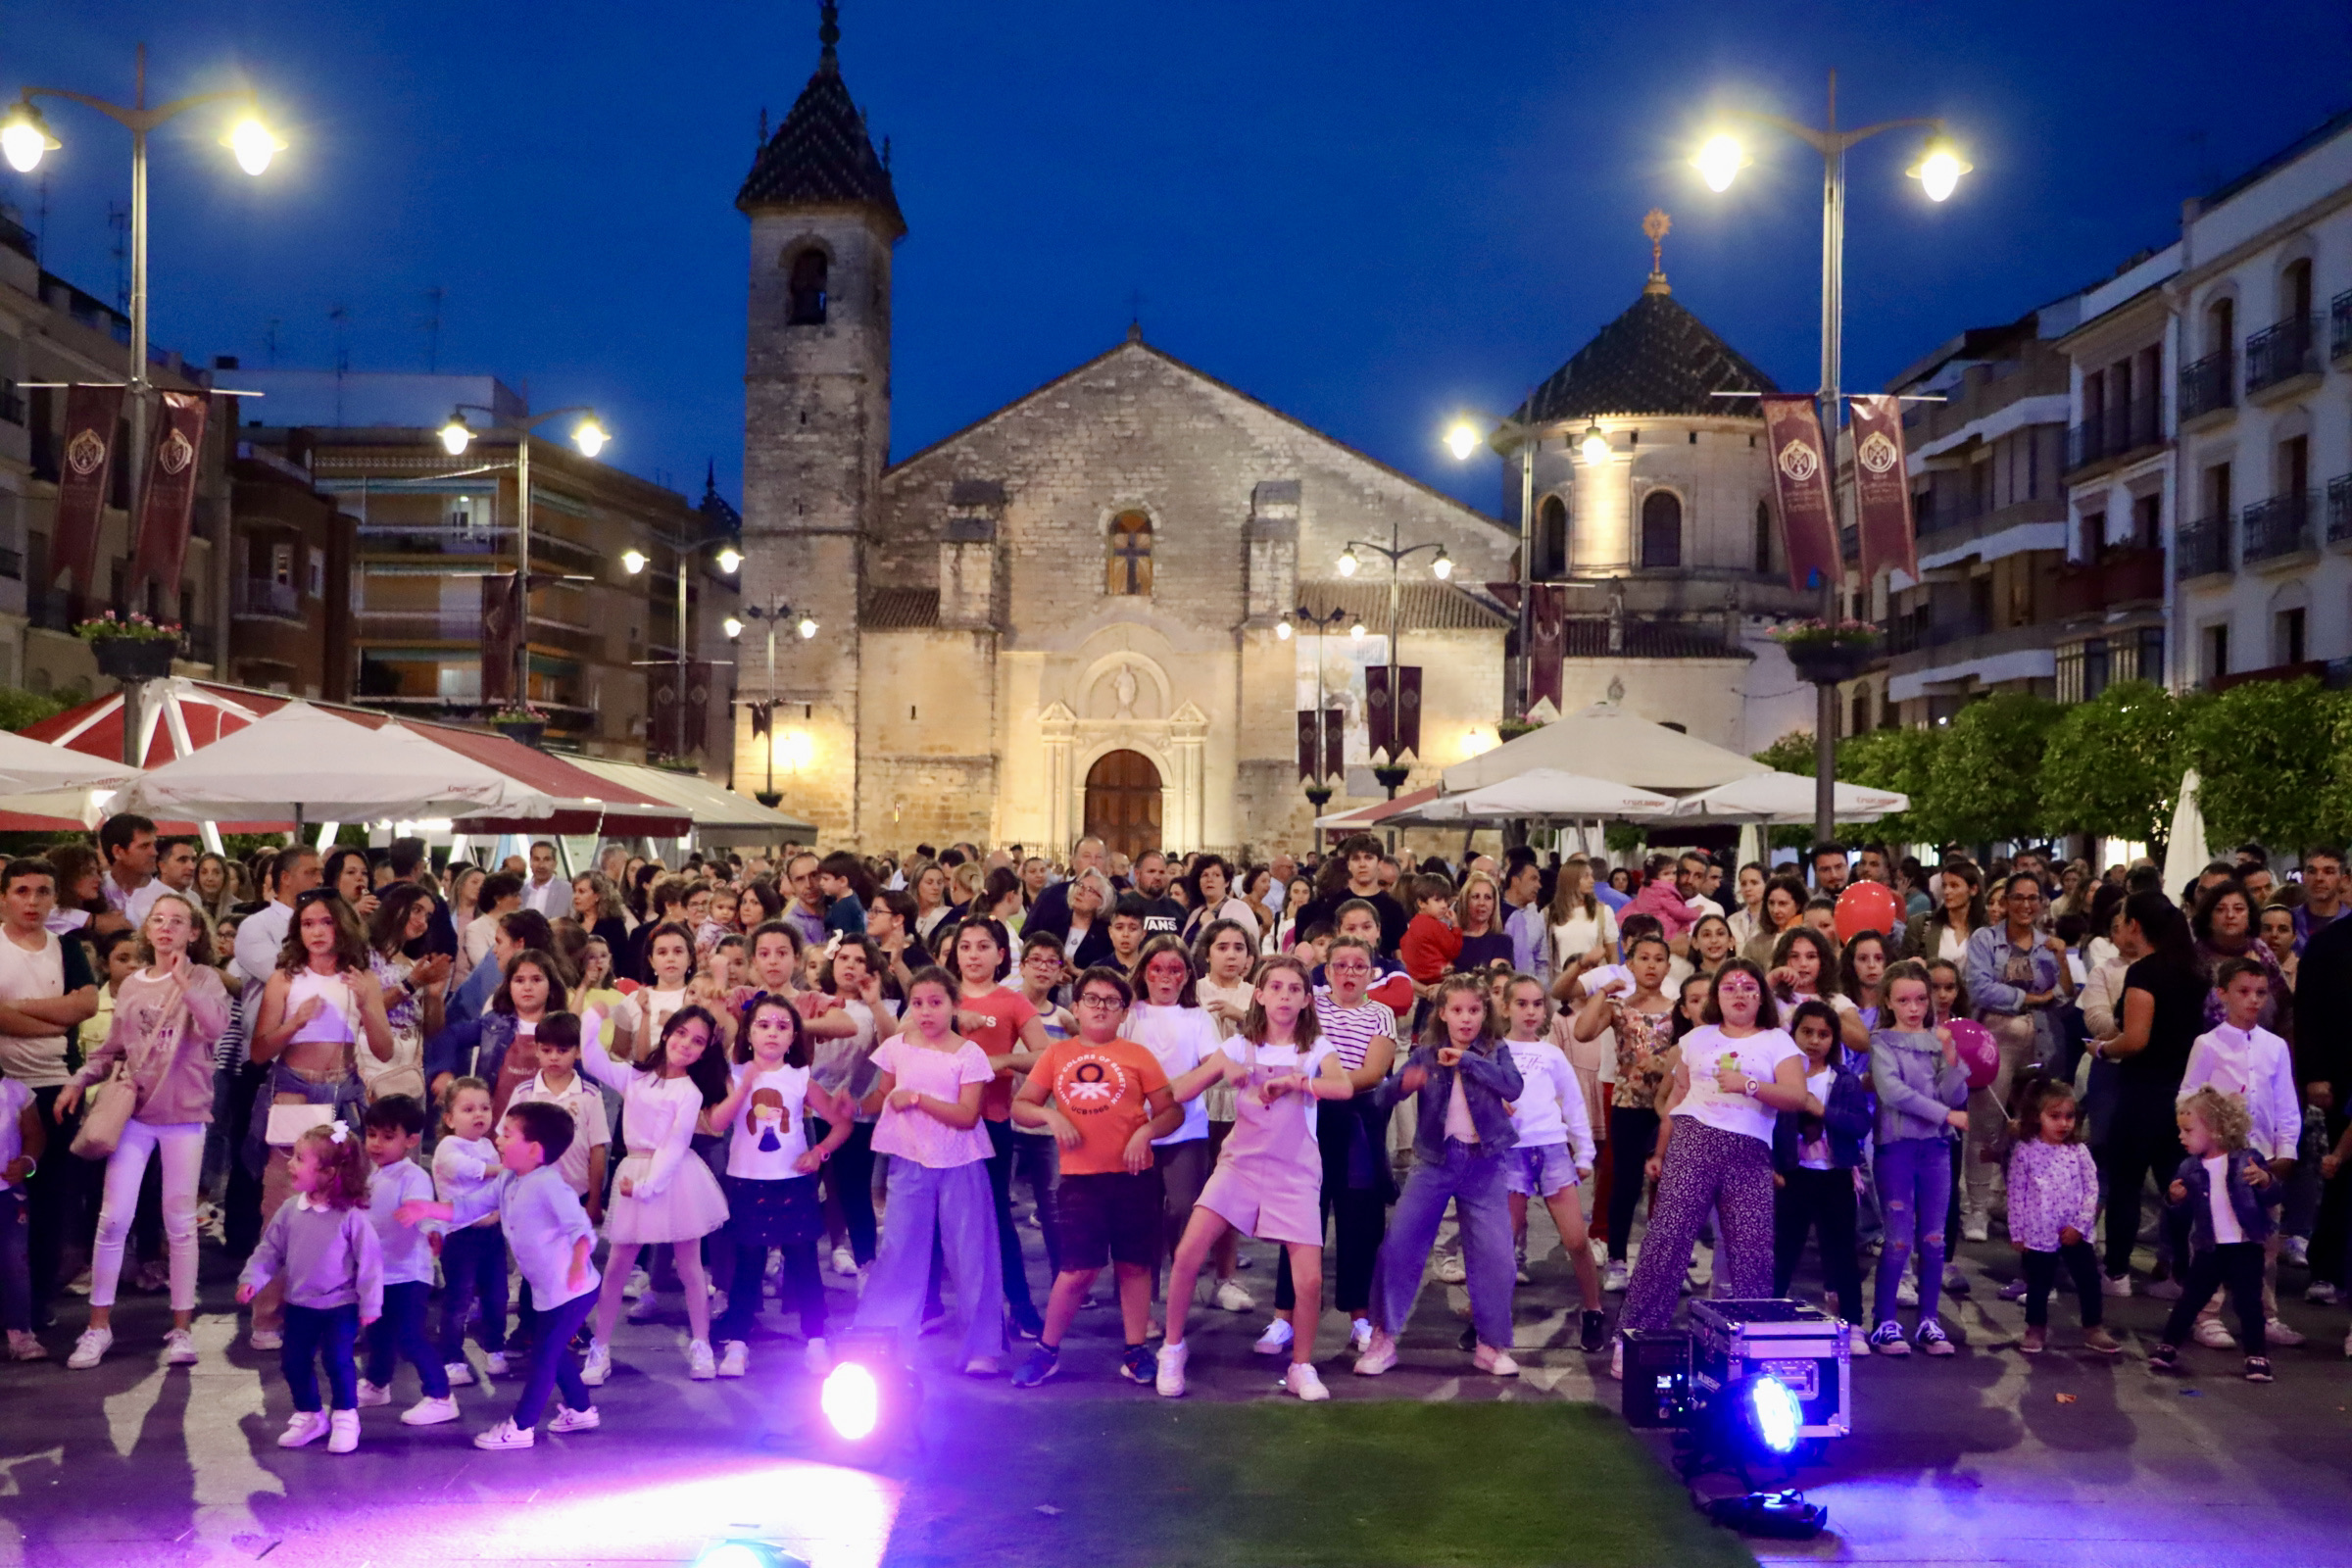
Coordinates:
[1129,567]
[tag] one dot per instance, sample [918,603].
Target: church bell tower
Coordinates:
[817,431]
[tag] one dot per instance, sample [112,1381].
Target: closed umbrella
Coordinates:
[2184,852]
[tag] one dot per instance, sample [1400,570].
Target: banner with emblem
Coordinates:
[1379,715]
[170,494]
[1883,487]
[1335,743]
[1801,489]
[1547,644]
[91,415]
[1311,743]
[1408,711]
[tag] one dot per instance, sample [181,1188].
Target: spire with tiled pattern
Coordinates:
[820,156]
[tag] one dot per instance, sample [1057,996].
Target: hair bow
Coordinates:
[338,1132]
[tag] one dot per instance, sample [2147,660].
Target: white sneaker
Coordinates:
[1449,1270]
[736,1360]
[307,1428]
[642,1309]
[1614,1276]
[2321,1291]
[506,1434]
[1275,1339]
[1906,1291]
[1520,1277]
[597,1366]
[2348,1347]
[639,1282]
[1617,1359]
[1233,1298]
[90,1349]
[1379,1354]
[1976,1228]
[567,1419]
[459,1374]
[845,1262]
[343,1432]
[2163,1290]
[2211,1334]
[373,1395]
[699,1365]
[2296,1250]
[429,1411]
[1170,1380]
[81,1284]
[2114,1285]
[1360,1334]
[817,1358]
[1495,1363]
[2276,1332]
[179,1348]
[265,1340]
[495,1363]
[1305,1382]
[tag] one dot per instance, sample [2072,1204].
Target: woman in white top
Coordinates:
[1739,1070]
[1584,930]
[1748,918]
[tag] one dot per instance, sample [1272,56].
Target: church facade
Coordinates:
[1076,614]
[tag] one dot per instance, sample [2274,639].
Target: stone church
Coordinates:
[1075,614]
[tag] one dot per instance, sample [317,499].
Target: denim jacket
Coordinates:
[2253,1203]
[1848,1113]
[1915,1089]
[1986,966]
[1490,1081]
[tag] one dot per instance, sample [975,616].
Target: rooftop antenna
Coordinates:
[432,330]
[269,342]
[340,317]
[1135,315]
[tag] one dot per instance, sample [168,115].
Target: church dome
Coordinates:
[1657,358]
[820,156]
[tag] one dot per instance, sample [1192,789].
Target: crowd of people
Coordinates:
[436,1110]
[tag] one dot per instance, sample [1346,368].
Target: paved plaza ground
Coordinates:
[1984,1458]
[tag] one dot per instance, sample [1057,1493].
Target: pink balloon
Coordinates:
[1980,1054]
[1868,907]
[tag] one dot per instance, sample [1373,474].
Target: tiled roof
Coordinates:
[1588,637]
[1420,606]
[899,608]
[1657,358]
[820,155]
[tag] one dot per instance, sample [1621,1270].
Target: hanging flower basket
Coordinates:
[1828,652]
[526,724]
[1318,796]
[1391,776]
[130,647]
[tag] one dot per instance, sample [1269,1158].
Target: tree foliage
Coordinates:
[1902,760]
[1986,787]
[20,707]
[2265,753]
[2113,764]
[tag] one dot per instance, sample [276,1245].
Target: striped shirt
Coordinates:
[1351,1030]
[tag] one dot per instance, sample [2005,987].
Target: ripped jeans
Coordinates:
[1915,1180]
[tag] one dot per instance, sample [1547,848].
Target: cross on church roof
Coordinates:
[1655,225]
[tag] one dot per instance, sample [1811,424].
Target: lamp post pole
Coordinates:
[1395,553]
[1318,793]
[774,615]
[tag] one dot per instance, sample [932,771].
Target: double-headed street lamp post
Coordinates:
[1395,554]
[1937,169]
[1463,439]
[774,616]
[456,436]
[1318,793]
[729,558]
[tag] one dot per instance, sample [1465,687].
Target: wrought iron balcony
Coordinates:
[2117,430]
[2202,549]
[2279,526]
[2281,352]
[2206,386]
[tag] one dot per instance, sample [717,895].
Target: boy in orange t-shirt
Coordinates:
[1109,1099]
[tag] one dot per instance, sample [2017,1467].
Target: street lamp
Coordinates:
[1395,554]
[456,436]
[1939,168]
[727,559]
[1463,440]
[1318,793]
[24,139]
[775,614]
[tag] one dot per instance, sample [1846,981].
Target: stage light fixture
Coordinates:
[851,1399]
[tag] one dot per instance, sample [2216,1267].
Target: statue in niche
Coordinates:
[1122,692]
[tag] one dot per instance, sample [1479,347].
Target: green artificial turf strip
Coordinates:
[1353,1486]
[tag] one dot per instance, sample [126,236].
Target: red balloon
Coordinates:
[1980,1053]
[1868,907]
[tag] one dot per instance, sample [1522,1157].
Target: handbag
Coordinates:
[287,1124]
[107,1110]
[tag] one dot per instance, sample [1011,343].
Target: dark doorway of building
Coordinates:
[1122,803]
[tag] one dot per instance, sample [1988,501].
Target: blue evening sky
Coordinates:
[1367,215]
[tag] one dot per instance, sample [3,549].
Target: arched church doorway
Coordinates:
[1122,803]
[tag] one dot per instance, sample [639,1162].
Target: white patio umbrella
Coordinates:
[35,767]
[1608,738]
[311,765]
[1785,798]
[1545,792]
[2186,852]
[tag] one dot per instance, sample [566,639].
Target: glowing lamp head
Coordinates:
[632,562]
[732,627]
[1595,444]
[806,628]
[590,438]
[851,1402]
[1348,562]
[455,437]
[1282,629]
[1461,440]
[1939,168]
[1356,630]
[729,558]
[24,139]
[1443,566]
[253,144]
[1772,1415]
[1719,161]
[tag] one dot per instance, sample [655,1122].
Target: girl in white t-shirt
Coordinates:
[1739,1070]
[670,955]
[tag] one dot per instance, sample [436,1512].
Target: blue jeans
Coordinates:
[399,1331]
[552,1365]
[956,1207]
[473,1267]
[1471,1178]
[314,1331]
[15,1262]
[1915,1189]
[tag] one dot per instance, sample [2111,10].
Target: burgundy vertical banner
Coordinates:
[696,727]
[1408,711]
[662,728]
[1380,718]
[1547,644]
[91,412]
[170,494]
[500,625]
[1883,487]
[1335,743]
[1311,743]
[1800,487]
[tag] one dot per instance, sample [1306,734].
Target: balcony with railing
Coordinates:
[261,596]
[2202,549]
[2339,509]
[2117,432]
[2280,526]
[2118,579]
[2283,352]
[2340,326]
[2206,386]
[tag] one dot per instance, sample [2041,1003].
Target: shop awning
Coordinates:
[720,814]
